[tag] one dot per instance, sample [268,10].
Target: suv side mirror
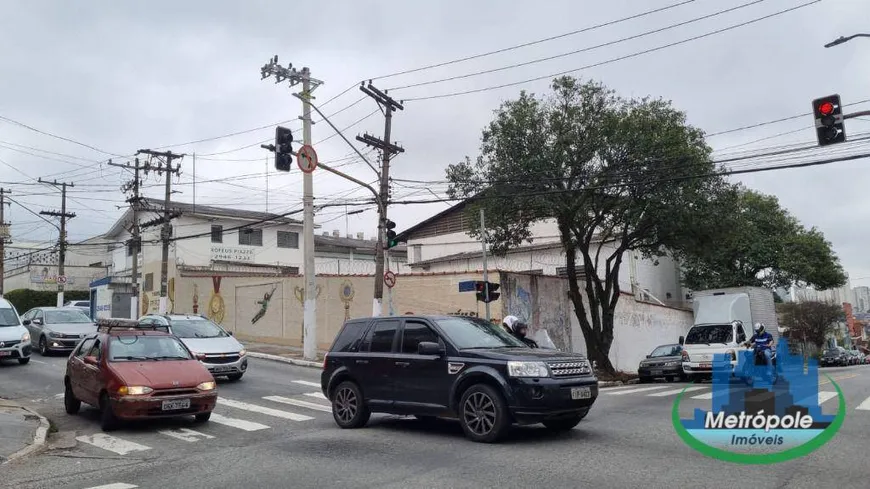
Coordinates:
[91,360]
[682,339]
[649,356]
[429,348]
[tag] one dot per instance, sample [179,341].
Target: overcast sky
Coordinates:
[123,76]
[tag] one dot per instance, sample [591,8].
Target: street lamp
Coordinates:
[842,39]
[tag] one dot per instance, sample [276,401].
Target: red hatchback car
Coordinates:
[132,372]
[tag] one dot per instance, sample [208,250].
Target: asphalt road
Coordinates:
[627,441]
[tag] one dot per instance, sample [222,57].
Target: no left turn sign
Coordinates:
[306,158]
[390,279]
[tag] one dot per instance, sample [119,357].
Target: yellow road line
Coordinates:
[838,378]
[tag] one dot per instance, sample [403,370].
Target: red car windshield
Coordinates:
[154,348]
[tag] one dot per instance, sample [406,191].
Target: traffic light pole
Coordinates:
[485,271]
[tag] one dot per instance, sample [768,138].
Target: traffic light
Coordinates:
[391,241]
[283,148]
[486,291]
[829,120]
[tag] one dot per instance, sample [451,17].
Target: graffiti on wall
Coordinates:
[195,299]
[216,307]
[346,294]
[540,302]
[264,304]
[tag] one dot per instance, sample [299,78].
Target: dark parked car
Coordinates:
[665,361]
[834,357]
[455,367]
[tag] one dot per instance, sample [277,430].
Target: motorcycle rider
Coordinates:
[520,330]
[763,342]
[508,323]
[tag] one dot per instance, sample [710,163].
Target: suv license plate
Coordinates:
[176,404]
[706,365]
[656,372]
[581,393]
[220,369]
[5,353]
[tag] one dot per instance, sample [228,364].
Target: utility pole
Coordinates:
[166,231]
[388,106]
[485,272]
[63,215]
[135,243]
[4,234]
[309,311]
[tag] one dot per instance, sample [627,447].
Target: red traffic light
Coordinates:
[480,286]
[827,108]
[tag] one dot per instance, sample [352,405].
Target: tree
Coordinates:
[753,241]
[810,322]
[605,169]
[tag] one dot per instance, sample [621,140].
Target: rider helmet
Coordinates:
[759,328]
[520,329]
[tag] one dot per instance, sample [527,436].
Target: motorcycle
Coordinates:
[542,338]
[750,367]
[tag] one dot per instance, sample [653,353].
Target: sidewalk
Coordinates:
[286,354]
[22,431]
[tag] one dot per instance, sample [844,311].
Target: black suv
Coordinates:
[455,367]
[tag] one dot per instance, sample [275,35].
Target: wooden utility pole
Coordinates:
[166,232]
[388,105]
[63,215]
[4,235]
[135,242]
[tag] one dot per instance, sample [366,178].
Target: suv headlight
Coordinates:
[527,369]
[134,390]
[685,355]
[25,338]
[243,352]
[206,386]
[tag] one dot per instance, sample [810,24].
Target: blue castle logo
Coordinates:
[759,418]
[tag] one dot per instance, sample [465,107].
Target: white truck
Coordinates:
[714,331]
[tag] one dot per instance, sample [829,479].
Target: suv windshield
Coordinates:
[467,333]
[707,335]
[8,318]
[66,316]
[666,351]
[133,348]
[196,328]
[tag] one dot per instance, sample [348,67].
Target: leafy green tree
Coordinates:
[605,169]
[810,322]
[753,241]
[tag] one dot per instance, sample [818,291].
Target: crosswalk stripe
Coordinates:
[185,434]
[237,423]
[864,406]
[316,395]
[618,387]
[305,382]
[823,396]
[706,395]
[295,402]
[116,485]
[263,410]
[641,389]
[676,391]
[112,444]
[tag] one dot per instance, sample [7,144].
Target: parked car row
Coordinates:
[841,357]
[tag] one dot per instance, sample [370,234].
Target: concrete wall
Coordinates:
[44,277]
[354,264]
[639,327]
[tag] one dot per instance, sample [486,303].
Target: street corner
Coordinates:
[23,431]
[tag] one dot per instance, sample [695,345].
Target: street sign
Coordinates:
[61,279]
[306,158]
[467,286]
[390,279]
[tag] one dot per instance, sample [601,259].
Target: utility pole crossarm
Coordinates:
[61,240]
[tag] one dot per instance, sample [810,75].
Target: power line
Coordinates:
[12,121]
[577,51]
[784,119]
[612,60]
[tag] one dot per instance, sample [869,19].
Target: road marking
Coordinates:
[706,395]
[304,404]
[642,389]
[263,410]
[116,485]
[305,382]
[237,423]
[838,378]
[864,406]
[112,444]
[185,434]
[676,391]
[316,395]
[38,361]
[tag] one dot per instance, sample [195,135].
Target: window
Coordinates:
[415,333]
[197,328]
[217,234]
[666,351]
[251,237]
[707,335]
[157,348]
[8,317]
[85,347]
[288,239]
[350,337]
[149,282]
[380,337]
[468,332]
[741,335]
[66,316]
[95,350]
[417,253]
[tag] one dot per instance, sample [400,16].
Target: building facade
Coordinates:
[35,265]
[862,299]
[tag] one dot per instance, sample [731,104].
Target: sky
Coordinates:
[116,77]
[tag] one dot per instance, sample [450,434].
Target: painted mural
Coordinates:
[542,303]
[264,305]
[195,299]
[346,295]
[216,306]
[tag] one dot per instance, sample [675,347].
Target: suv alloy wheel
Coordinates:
[483,414]
[348,407]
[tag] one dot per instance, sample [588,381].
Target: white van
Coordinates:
[14,337]
[705,340]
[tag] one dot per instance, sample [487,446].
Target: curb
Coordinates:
[616,383]
[291,361]
[38,438]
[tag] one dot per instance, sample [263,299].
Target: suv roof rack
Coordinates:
[108,324]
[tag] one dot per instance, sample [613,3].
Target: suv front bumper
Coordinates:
[535,400]
[16,350]
[212,363]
